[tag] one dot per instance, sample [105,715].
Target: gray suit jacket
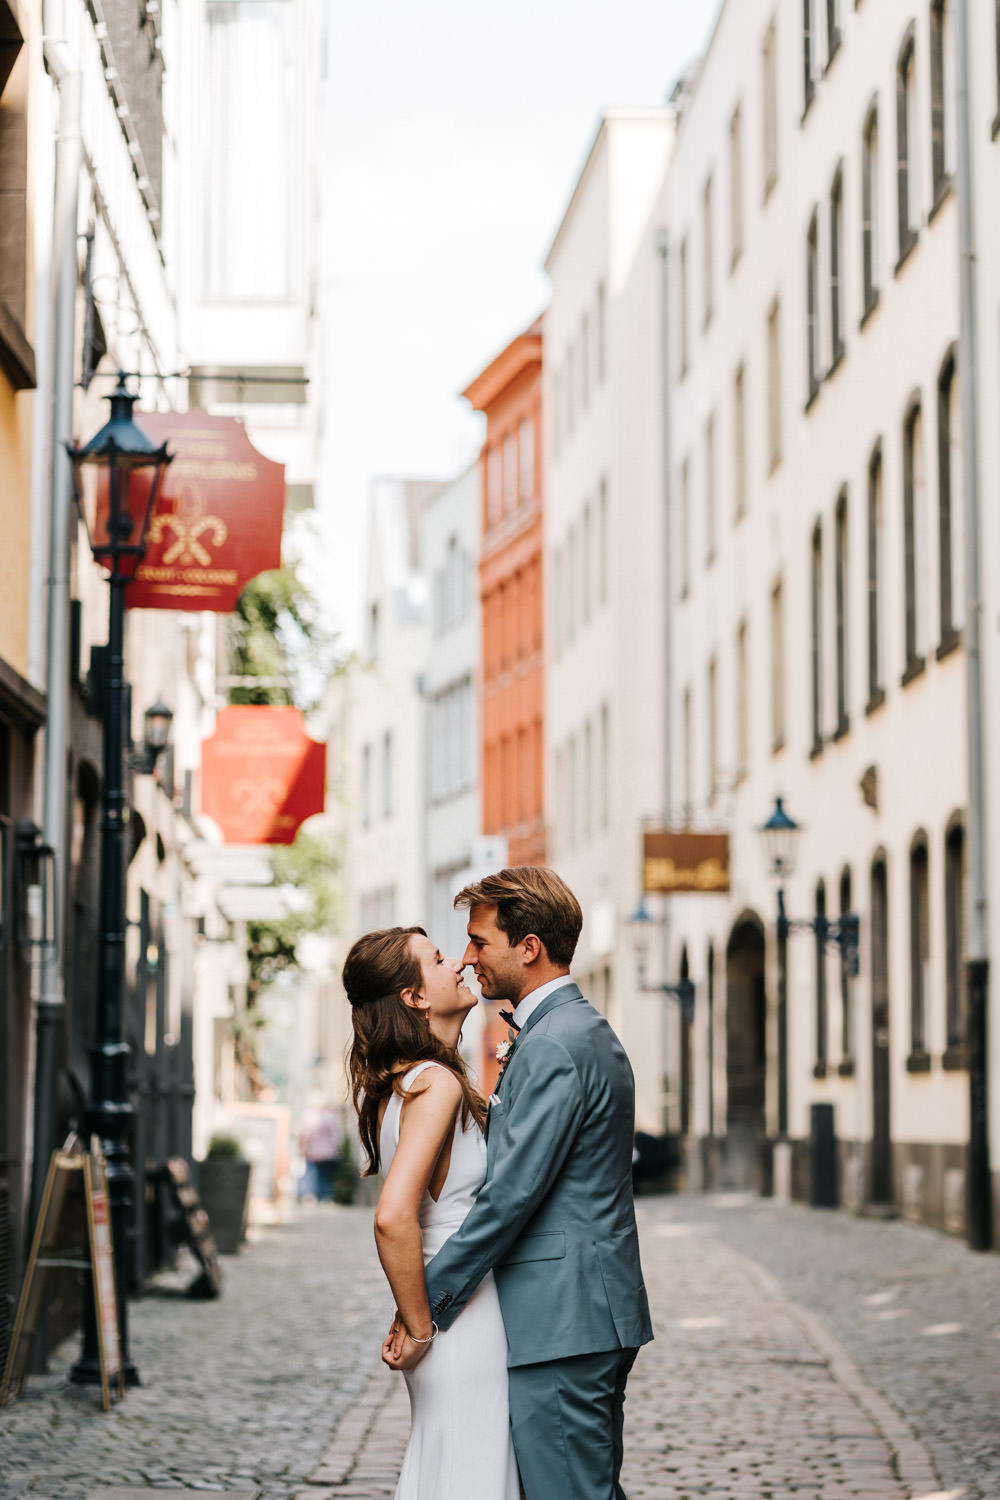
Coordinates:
[554,1219]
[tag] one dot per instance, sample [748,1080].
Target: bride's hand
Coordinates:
[402,1352]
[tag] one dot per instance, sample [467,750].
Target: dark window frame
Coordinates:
[840,603]
[869,209]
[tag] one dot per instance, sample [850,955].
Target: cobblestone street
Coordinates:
[798,1354]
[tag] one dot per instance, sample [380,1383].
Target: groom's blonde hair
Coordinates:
[530,898]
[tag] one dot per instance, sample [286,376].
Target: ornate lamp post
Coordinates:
[779,837]
[641,925]
[132,469]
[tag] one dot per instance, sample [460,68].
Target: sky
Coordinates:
[454,133]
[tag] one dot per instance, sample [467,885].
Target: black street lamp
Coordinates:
[780,836]
[641,925]
[122,458]
[156,723]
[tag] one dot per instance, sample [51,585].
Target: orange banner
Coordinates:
[261,775]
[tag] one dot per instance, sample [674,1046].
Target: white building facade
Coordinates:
[604,725]
[818,589]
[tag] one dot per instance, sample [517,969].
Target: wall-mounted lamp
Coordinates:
[156,723]
[35,871]
[641,925]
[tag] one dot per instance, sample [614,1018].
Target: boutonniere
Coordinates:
[505,1051]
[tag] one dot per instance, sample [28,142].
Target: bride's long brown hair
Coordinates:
[389,1036]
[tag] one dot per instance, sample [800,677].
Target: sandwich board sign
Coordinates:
[44,1256]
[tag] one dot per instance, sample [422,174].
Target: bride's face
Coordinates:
[441,985]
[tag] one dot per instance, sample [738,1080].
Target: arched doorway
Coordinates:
[746,1053]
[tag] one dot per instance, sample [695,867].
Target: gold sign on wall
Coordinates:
[686,861]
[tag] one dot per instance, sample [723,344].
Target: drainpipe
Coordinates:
[62,61]
[666,459]
[979,1194]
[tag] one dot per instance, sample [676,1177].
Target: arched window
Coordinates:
[816,628]
[846,1016]
[942,92]
[837,267]
[840,610]
[870,208]
[954,946]
[814,355]
[914,542]
[918,1060]
[819,1068]
[950,483]
[907,166]
[876,565]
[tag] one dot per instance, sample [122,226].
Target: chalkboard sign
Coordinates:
[194,1228]
[44,1256]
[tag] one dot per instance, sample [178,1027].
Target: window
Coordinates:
[526,460]
[777,670]
[832,29]
[769,68]
[603,541]
[374,633]
[846,1017]
[942,92]
[494,485]
[836,268]
[914,543]
[809,51]
[739,444]
[742,702]
[814,355]
[682,290]
[688,730]
[587,548]
[919,952]
[366,786]
[713,730]
[840,609]
[708,268]
[735,186]
[510,474]
[710,520]
[816,629]
[685,527]
[605,786]
[585,361]
[602,354]
[774,386]
[822,1028]
[950,485]
[907,169]
[387,788]
[876,563]
[870,209]
[954,928]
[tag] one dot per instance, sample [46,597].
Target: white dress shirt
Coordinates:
[534,998]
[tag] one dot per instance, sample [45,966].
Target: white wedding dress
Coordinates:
[460,1444]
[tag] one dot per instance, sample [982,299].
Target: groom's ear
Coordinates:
[534,949]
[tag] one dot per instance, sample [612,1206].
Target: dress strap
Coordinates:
[409,1078]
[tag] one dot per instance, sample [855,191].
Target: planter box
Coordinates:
[224,1190]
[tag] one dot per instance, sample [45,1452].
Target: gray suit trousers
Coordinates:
[566,1418]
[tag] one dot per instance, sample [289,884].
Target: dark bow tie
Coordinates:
[508,1016]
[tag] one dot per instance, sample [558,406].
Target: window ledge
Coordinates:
[817,748]
[838,360]
[843,728]
[950,641]
[777,744]
[814,391]
[735,258]
[845,1069]
[875,701]
[835,41]
[771,182]
[810,101]
[906,251]
[819,1069]
[870,309]
[914,669]
[954,1060]
[944,192]
[919,1061]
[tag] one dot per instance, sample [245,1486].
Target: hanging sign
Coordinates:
[685,861]
[261,774]
[218,515]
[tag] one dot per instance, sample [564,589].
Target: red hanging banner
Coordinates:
[261,774]
[218,516]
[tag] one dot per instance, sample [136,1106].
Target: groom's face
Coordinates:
[499,967]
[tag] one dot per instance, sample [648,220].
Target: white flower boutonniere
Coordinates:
[505,1052]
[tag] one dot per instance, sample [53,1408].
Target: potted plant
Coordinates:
[224,1189]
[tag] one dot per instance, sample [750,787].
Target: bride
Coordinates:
[421,1122]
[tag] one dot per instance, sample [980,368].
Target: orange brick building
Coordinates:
[509,393]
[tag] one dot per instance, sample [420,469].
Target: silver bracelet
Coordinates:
[434,1334]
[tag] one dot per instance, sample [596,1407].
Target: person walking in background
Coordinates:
[555,1218]
[320,1141]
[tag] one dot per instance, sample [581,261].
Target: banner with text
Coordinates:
[685,861]
[261,774]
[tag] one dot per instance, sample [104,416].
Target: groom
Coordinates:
[554,1220]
